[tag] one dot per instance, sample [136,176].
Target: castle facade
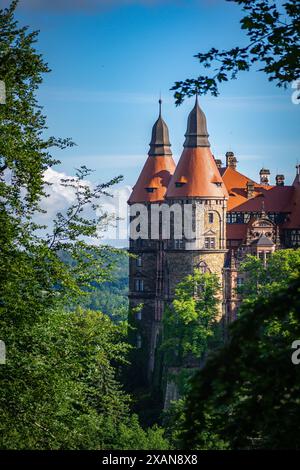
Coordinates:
[228,216]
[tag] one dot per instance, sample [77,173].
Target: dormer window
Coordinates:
[153,184]
[181,182]
[217,182]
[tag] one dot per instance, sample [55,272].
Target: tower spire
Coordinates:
[155,176]
[160,142]
[196,174]
[297,177]
[196,134]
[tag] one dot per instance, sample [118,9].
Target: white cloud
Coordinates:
[60,198]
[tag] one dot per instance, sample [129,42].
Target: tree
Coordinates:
[273,31]
[191,321]
[59,386]
[281,267]
[247,395]
[190,326]
[111,296]
[190,329]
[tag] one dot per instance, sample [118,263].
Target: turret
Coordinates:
[146,266]
[198,188]
[154,178]
[297,177]
[197,166]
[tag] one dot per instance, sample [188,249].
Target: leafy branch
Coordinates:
[274,42]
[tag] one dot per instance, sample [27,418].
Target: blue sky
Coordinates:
[111,60]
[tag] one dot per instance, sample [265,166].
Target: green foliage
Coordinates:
[273,32]
[190,322]
[248,394]
[111,296]
[282,267]
[59,387]
[173,420]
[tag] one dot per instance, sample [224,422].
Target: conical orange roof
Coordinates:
[196,174]
[155,176]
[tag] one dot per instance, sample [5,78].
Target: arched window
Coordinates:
[203,268]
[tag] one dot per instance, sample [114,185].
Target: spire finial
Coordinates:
[196,133]
[160,143]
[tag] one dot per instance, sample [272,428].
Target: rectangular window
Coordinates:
[178,244]
[139,285]
[240,282]
[139,261]
[210,243]
[210,217]
[139,315]
[239,217]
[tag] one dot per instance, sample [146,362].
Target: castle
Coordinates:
[230,216]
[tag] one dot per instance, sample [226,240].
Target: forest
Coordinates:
[64,313]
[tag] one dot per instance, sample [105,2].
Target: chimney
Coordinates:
[231,160]
[218,163]
[250,189]
[279,180]
[264,176]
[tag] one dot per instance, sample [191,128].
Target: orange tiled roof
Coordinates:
[233,178]
[156,173]
[202,176]
[272,198]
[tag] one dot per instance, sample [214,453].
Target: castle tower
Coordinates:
[146,267]
[197,183]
